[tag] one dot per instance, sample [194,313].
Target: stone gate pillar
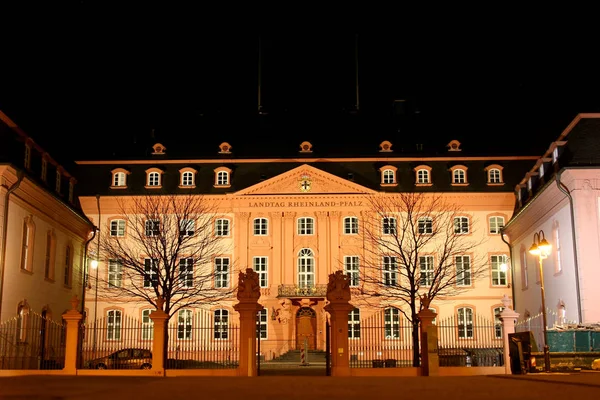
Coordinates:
[248,294]
[430,361]
[508,317]
[72,318]
[159,319]
[338,295]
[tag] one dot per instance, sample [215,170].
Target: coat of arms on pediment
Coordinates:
[305,180]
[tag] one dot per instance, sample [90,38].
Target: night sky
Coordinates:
[87,72]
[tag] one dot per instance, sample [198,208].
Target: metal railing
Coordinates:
[302,291]
[32,341]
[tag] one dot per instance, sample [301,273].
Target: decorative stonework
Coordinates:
[225,148]
[305,147]
[338,288]
[305,183]
[248,286]
[158,149]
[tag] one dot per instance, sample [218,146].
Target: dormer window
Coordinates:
[58,181]
[119,178]
[187,178]
[158,149]
[385,147]
[222,177]
[555,155]
[423,175]
[541,170]
[225,148]
[454,145]
[459,175]
[27,159]
[153,178]
[529,184]
[494,175]
[305,147]
[388,175]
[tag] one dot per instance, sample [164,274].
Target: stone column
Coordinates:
[288,256]
[72,318]
[338,295]
[248,294]
[508,317]
[430,362]
[159,318]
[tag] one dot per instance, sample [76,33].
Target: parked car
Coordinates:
[131,358]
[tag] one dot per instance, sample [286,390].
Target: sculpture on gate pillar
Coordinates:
[338,288]
[248,286]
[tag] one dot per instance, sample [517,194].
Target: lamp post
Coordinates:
[541,248]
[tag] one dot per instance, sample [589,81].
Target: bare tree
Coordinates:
[167,251]
[416,250]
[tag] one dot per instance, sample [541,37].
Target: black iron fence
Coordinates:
[32,341]
[469,342]
[383,340]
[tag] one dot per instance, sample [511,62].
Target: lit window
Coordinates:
[222,178]
[221,324]
[351,226]
[117,228]
[391,319]
[147,325]
[150,272]
[388,176]
[351,269]
[261,323]
[496,224]
[463,270]
[113,325]
[306,268]
[498,270]
[259,264]
[389,226]
[390,271]
[115,274]
[186,272]
[184,324]
[494,174]
[119,179]
[459,175]
[354,324]
[461,225]
[306,226]
[422,176]
[426,270]
[187,178]
[465,323]
[261,226]
[221,272]
[425,226]
[222,227]
[153,179]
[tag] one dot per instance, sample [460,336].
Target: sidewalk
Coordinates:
[583,385]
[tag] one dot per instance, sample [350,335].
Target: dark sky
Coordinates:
[74,71]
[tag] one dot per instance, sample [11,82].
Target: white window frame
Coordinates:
[185,320]
[262,326]
[222,266]
[115,274]
[187,227]
[350,225]
[117,228]
[152,227]
[388,176]
[221,324]
[306,226]
[459,176]
[352,269]
[425,225]
[222,227]
[114,320]
[119,179]
[461,225]
[261,227]
[426,270]
[187,178]
[306,268]
[150,272]
[147,325]
[499,277]
[463,270]
[222,178]
[496,224]
[390,271]
[260,265]
[389,225]
[354,324]
[186,272]
[498,322]
[465,322]
[423,176]
[153,179]
[391,319]
[494,175]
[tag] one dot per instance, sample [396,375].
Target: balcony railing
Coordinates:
[302,291]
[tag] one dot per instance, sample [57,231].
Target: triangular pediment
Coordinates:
[305,179]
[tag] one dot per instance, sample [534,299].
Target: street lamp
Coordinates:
[541,248]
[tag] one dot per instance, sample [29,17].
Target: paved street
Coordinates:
[584,385]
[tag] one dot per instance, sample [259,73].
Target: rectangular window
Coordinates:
[463,270]
[351,226]
[221,272]
[147,325]
[152,227]
[426,268]
[259,264]
[354,324]
[261,323]
[496,224]
[498,322]
[25,246]
[461,225]
[557,252]
[305,226]
[186,272]
[260,227]
[221,324]
[524,270]
[150,272]
[115,274]
[117,228]
[389,226]
[498,270]
[184,325]
[222,227]
[390,271]
[425,226]
[391,321]
[465,323]
[50,254]
[113,325]
[351,269]
[187,227]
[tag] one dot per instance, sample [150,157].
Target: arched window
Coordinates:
[50,255]
[187,178]
[494,174]
[119,179]
[153,179]
[465,323]
[27,244]
[423,175]
[354,324]
[306,268]
[388,175]
[221,324]
[22,321]
[391,321]
[222,177]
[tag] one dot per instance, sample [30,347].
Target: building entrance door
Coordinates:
[306,328]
